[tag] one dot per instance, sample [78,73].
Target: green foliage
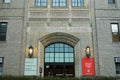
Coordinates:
[98,78]
[54,78]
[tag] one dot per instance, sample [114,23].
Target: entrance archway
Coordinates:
[59,60]
[60,67]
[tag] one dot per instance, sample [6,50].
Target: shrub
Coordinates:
[98,78]
[54,78]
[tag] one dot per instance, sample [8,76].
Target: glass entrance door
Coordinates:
[59,70]
[69,68]
[59,60]
[49,70]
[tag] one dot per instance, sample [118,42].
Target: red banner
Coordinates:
[88,68]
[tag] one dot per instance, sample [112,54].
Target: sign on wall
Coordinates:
[88,68]
[30,66]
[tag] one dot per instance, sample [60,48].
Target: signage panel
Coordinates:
[88,68]
[30,66]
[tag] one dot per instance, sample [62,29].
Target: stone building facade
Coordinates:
[54,29]
[107,40]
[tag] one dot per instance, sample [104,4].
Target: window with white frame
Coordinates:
[111,1]
[115,31]
[117,65]
[6,1]
[77,3]
[59,3]
[42,3]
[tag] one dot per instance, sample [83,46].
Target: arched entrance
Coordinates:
[59,60]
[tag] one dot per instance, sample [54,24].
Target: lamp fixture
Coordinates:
[30,52]
[87,51]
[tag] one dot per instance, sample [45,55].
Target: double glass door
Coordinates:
[59,69]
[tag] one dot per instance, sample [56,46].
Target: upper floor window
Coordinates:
[77,3]
[111,1]
[59,3]
[42,3]
[6,1]
[3,30]
[115,31]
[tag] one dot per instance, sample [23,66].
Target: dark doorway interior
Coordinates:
[59,69]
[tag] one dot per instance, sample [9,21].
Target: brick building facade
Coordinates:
[59,31]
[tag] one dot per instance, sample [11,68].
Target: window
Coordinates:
[59,52]
[42,3]
[59,3]
[1,65]
[3,29]
[7,1]
[111,1]
[117,65]
[77,3]
[115,31]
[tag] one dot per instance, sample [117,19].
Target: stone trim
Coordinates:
[59,37]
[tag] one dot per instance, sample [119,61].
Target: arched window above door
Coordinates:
[59,52]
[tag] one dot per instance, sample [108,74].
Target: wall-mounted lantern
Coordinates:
[30,52]
[87,52]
